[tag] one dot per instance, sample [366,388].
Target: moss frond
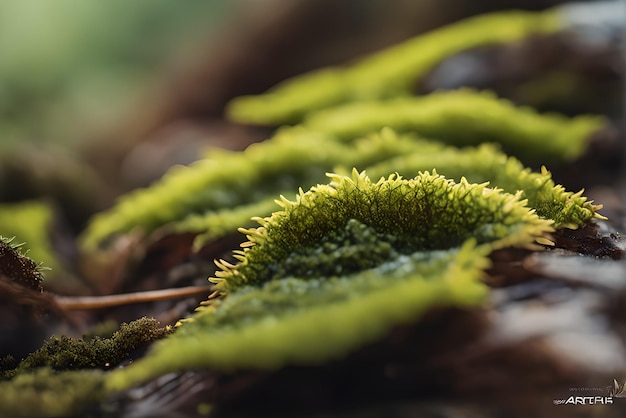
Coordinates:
[224,180]
[465,117]
[214,196]
[341,265]
[389,73]
[428,212]
[486,163]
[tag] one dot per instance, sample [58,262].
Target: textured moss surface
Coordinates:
[389,73]
[18,267]
[466,117]
[485,163]
[64,353]
[214,196]
[340,266]
[65,375]
[225,181]
[426,213]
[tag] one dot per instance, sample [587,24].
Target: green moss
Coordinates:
[17,266]
[30,222]
[486,163]
[389,73]
[47,393]
[465,117]
[339,267]
[212,187]
[426,213]
[224,180]
[214,196]
[64,353]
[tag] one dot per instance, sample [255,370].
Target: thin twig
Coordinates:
[98,302]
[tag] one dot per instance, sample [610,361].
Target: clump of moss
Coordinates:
[426,213]
[339,267]
[18,267]
[48,393]
[30,222]
[486,163]
[465,117]
[64,353]
[390,73]
[215,196]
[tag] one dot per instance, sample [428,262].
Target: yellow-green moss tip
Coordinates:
[46,393]
[17,266]
[64,353]
[389,73]
[339,267]
[426,213]
[486,164]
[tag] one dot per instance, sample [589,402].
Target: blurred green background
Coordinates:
[67,66]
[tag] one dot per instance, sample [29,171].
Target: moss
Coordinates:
[214,196]
[47,393]
[17,266]
[426,213]
[7,363]
[389,73]
[31,222]
[64,353]
[233,180]
[339,267]
[224,180]
[466,117]
[486,163]
[65,375]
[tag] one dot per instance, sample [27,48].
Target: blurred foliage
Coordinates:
[67,65]
[216,195]
[393,72]
[466,117]
[46,393]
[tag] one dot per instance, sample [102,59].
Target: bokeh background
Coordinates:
[112,94]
